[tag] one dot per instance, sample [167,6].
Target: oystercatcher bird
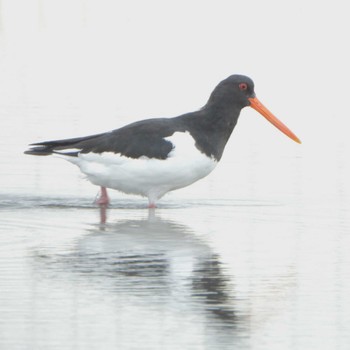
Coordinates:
[154,156]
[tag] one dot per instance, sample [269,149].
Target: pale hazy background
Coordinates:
[71,68]
[255,256]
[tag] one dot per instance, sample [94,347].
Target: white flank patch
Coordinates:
[148,176]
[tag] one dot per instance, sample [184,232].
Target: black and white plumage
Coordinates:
[154,156]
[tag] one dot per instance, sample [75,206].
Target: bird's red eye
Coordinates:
[243,86]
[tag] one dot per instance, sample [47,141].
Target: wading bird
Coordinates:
[154,156]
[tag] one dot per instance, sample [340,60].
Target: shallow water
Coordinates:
[255,256]
[211,274]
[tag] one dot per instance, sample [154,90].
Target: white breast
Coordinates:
[148,176]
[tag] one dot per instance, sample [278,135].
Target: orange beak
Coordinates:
[258,106]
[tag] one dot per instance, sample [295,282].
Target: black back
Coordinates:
[210,127]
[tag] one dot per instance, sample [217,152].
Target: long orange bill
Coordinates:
[258,106]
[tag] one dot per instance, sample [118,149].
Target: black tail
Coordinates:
[49,147]
[39,151]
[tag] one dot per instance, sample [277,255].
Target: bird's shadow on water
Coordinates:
[154,259]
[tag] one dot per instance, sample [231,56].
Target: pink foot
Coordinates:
[152,206]
[103,199]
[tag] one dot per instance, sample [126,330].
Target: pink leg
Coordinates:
[103,199]
[152,205]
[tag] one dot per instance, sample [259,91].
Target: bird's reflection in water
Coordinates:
[160,260]
[213,287]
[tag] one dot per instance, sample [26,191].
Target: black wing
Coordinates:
[143,138]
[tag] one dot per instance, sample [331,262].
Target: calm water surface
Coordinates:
[256,256]
[208,275]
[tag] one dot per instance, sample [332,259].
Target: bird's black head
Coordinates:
[233,92]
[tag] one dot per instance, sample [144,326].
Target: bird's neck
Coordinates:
[214,126]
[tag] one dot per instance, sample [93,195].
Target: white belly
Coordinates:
[148,176]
